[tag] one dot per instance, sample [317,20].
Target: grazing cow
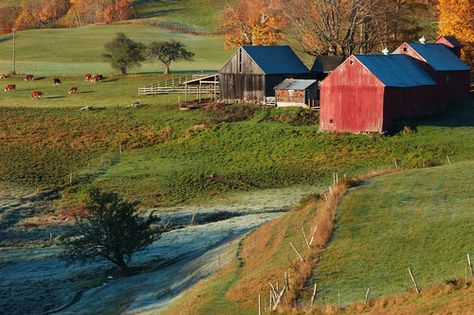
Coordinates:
[87,77]
[57,82]
[36,94]
[29,77]
[73,90]
[10,87]
[97,77]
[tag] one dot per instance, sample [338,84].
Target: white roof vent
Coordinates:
[385,51]
[423,40]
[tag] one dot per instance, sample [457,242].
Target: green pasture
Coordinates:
[189,15]
[65,52]
[420,219]
[174,157]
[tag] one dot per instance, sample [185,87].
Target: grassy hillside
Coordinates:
[75,51]
[191,15]
[382,227]
[179,156]
[419,218]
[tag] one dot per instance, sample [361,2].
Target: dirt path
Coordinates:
[34,281]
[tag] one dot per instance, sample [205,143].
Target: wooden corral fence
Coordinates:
[198,85]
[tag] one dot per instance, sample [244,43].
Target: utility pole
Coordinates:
[14,52]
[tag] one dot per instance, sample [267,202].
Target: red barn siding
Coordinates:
[352,100]
[452,85]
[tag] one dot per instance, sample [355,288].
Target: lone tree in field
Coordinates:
[110,228]
[167,52]
[124,53]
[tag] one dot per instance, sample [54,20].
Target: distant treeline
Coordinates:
[67,13]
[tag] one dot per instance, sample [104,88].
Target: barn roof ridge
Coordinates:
[439,57]
[396,70]
[276,59]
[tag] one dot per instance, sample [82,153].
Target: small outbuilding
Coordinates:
[297,93]
[451,74]
[368,93]
[253,71]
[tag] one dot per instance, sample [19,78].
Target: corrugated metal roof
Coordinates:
[439,57]
[396,70]
[326,64]
[295,84]
[276,59]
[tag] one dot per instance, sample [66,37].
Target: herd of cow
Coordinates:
[94,78]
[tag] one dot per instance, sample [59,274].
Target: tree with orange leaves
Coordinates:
[253,22]
[456,17]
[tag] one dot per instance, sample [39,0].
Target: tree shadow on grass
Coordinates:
[53,97]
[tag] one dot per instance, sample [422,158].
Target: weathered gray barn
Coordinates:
[253,72]
[297,92]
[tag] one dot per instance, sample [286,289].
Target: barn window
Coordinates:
[405,49]
[291,93]
[331,121]
[351,62]
[447,78]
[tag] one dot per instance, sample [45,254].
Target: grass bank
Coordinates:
[418,219]
[177,157]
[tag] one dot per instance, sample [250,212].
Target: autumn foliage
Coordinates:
[253,22]
[456,17]
[41,13]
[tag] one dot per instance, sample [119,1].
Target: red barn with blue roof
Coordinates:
[451,74]
[368,93]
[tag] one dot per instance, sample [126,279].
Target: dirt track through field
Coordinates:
[34,281]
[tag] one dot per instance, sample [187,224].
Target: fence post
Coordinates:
[417,289]
[469,263]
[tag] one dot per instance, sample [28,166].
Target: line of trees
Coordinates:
[69,13]
[124,53]
[330,27]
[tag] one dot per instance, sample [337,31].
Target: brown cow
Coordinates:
[36,94]
[87,77]
[73,90]
[10,87]
[97,77]
[57,82]
[29,77]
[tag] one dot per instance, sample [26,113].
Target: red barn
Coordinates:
[452,43]
[368,93]
[451,74]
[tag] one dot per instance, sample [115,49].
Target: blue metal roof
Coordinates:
[276,59]
[396,70]
[439,57]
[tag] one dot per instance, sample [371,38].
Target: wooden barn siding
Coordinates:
[245,87]
[456,87]
[408,102]
[248,65]
[284,96]
[353,98]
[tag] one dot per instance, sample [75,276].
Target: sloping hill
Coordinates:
[189,15]
[420,219]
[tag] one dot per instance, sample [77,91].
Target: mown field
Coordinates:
[419,219]
[66,52]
